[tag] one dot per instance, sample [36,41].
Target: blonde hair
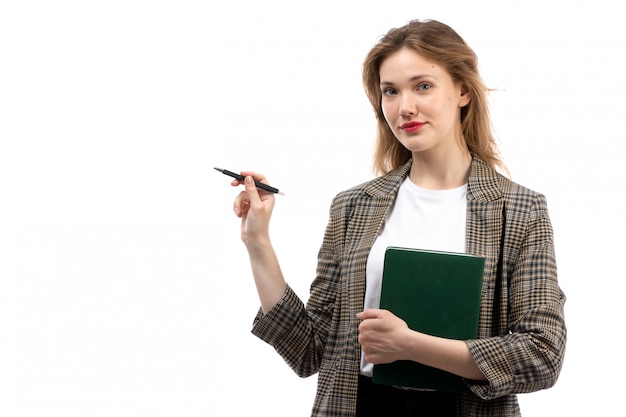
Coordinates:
[438,43]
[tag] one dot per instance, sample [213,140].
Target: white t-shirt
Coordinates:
[420,218]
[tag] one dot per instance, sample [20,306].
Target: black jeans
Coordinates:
[376,400]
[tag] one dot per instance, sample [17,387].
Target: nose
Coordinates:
[408,105]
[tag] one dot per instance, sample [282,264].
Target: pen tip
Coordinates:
[218,169]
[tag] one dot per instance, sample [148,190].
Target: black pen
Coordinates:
[260,185]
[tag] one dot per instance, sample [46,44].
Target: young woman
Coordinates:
[438,189]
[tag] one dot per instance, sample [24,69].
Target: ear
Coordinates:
[465,97]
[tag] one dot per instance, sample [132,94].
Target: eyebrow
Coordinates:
[412,79]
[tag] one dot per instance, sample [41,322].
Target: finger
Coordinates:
[257,176]
[250,196]
[370,313]
[241,204]
[252,191]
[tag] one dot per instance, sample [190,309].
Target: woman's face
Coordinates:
[421,102]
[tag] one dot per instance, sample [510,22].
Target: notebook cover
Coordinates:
[437,293]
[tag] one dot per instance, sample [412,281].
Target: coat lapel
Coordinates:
[366,220]
[484,209]
[484,234]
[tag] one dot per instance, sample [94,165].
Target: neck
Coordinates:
[441,171]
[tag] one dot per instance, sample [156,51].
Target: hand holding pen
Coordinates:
[254,207]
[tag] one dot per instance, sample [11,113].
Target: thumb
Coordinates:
[253,192]
[370,313]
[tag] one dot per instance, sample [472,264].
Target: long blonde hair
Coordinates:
[438,43]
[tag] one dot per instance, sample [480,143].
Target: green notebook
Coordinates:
[437,293]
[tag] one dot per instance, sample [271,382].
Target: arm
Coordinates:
[296,332]
[528,355]
[255,210]
[386,338]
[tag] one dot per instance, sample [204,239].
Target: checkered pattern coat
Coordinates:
[522,334]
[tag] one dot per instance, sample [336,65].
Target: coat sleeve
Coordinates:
[530,356]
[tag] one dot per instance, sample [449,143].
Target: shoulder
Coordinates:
[487,184]
[522,198]
[522,210]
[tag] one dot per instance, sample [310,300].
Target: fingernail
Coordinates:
[248,180]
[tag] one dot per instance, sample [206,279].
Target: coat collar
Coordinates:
[484,182]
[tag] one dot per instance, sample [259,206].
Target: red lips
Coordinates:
[412,126]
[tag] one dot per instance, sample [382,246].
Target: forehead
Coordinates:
[409,63]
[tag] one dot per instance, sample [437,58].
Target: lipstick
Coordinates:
[411,127]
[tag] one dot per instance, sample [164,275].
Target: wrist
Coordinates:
[413,345]
[258,246]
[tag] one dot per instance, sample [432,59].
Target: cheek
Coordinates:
[390,123]
[388,114]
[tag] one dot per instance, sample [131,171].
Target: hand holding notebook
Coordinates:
[437,293]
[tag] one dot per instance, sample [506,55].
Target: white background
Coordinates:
[124,288]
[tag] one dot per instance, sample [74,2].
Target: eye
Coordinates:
[389,91]
[423,87]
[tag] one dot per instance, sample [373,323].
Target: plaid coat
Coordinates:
[522,334]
